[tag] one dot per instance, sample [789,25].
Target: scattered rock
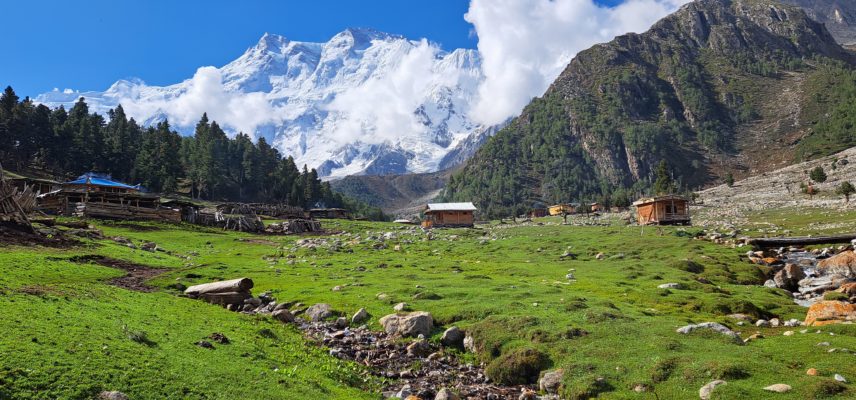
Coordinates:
[528,394]
[788,333]
[453,337]
[205,344]
[707,390]
[400,307]
[341,323]
[763,323]
[319,312]
[408,325]
[716,327]
[360,316]
[778,388]
[551,381]
[600,256]
[149,246]
[830,312]
[671,286]
[840,378]
[283,315]
[219,338]
[446,394]
[788,278]
[419,348]
[469,343]
[112,395]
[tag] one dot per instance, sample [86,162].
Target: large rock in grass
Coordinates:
[843,264]
[830,312]
[711,326]
[453,337]
[409,324]
[112,395]
[789,277]
[551,381]
[707,390]
[234,285]
[319,312]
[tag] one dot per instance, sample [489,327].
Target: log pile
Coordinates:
[294,226]
[122,211]
[223,293]
[282,211]
[10,203]
[241,223]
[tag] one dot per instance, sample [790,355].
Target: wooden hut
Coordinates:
[100,197]
[562,209]
[449,215]
[663,210]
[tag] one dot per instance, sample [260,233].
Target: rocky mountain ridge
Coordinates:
[705,88]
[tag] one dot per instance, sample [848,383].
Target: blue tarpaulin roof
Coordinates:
[100,181]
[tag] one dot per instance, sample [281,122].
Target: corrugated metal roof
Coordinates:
[91,180]
[451,207]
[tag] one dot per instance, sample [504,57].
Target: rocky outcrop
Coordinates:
[842,264]
[614,112]
[830,312]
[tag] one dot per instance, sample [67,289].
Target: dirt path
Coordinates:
[136,277]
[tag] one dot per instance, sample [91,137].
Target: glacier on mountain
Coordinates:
[365,102]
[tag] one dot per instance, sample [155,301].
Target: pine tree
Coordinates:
[663,184]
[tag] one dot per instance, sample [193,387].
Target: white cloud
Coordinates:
[384,105]
[525,44]
[204,93]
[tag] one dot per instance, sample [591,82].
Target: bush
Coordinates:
[518,367]
[663,369]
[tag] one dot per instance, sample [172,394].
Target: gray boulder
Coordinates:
[707,390]
[713,326]
[112,395]
[283,315]
[360,316]
[408,325]
[319,312]
[453,337]
[789,277]
[551,381]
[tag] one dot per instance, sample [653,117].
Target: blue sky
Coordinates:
[88,45]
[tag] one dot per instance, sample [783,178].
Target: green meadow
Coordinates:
[67,333]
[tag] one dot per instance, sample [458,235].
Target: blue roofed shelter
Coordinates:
[94,195]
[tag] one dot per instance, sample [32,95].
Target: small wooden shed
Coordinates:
[449,215]
[561,209]
[538,213]
[663,210]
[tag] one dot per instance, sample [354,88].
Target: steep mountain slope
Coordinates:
[839,16]
[398,195]
[719,86]
[359,103]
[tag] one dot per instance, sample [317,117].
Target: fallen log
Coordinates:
[234,285]
[800,241]
[226,298]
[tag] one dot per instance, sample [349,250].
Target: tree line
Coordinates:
[208,165]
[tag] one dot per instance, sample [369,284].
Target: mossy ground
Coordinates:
[66,331]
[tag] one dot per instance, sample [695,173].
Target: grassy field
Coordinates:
[69,334]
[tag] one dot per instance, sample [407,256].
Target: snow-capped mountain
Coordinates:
[365,102]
